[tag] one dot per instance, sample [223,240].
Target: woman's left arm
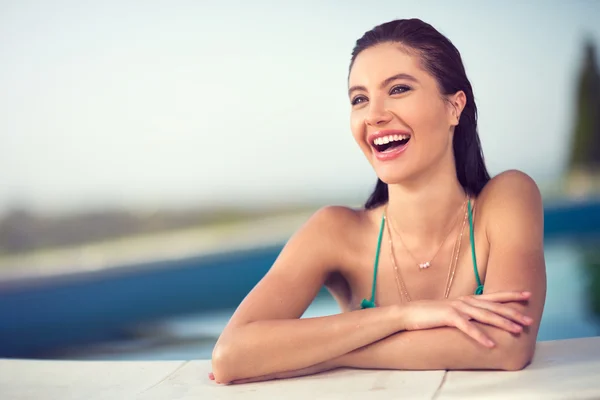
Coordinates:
[515,231]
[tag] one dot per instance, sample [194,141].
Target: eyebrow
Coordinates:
[383,84]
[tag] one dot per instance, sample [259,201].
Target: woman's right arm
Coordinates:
[266,335]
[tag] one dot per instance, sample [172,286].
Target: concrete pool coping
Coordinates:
[563,369]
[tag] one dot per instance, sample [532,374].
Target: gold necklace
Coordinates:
[452,270]
[401,286]
[427,264]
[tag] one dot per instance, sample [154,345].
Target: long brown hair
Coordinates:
[442,60]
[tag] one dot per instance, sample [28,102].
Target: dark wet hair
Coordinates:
[442,60]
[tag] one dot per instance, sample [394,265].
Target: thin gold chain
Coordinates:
[403,291]
[397,274]
[427,264]
[452,270]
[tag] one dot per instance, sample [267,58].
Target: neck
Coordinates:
[425,208]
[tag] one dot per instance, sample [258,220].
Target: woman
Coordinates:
[442,269]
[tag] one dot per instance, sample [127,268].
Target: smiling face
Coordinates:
[400,119]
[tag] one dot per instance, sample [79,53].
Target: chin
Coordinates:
[395,171]
[394,177]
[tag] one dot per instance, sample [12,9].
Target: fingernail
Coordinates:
[517,327]
[527,320]
[211,376]
[526,293]
[490,343]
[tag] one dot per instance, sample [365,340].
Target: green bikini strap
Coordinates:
[479,289]
[371,303]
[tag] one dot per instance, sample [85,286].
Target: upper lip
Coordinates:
[385,132]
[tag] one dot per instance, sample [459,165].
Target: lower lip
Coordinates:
[390,155]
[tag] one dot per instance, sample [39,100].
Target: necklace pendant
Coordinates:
[424,265]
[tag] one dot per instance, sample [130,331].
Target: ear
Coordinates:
[457,103]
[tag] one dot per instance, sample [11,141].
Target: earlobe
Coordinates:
[458,102]
[455,114]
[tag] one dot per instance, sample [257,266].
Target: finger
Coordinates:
[211,376]
[472,330]
[504,297]
[500,309]
[488,317]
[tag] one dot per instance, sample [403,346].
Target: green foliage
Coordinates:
[585,151]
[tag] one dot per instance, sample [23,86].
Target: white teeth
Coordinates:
[390,138]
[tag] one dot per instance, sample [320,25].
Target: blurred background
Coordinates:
[155,156]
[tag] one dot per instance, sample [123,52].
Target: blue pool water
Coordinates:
[568,314]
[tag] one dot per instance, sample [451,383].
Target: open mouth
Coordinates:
[390,143]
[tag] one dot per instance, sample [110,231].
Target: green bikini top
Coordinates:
[371,303]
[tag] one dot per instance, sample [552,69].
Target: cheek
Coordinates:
[357,126]
[423,117]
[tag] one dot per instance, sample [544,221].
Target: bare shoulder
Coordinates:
[334,219]
[508,198]
[511,183]
[331,228]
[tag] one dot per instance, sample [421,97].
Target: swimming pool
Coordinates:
[573,271]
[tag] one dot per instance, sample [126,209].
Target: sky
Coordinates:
[197,103]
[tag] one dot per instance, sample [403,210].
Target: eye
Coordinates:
[358,100]
[399,89]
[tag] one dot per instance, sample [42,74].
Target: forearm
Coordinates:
[315,369]
[442,348]
[266,347]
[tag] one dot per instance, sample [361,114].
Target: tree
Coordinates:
[585,150]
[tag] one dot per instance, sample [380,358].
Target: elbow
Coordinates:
[222,365]
[517,356]
[516,363]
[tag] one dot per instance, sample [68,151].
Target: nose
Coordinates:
[378,116]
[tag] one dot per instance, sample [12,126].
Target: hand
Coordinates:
[487,308]
[315,369]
